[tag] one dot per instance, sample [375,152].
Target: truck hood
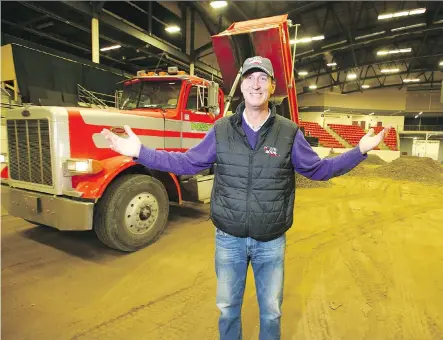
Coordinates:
[267,37]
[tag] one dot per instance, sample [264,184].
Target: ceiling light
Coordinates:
[417,11]
[312,87]
[408,27]
[365,86]
[389,70]
[441,63]
[420,113]
[326,110]
[369,35]
[303,73]
[438,21]
[307,39]
[114,47]
[403,50]
[401,14]
[172,29]
[331,64]
[218,4]
[416,80]
[416,116]
[372,113]
[351,76]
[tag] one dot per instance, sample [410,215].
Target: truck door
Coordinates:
[196,120]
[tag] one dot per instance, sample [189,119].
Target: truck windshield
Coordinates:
[151,94]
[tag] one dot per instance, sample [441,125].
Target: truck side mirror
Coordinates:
[213,98]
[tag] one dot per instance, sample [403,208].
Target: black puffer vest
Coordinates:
[254,190]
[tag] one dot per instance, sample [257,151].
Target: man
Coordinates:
[256,152]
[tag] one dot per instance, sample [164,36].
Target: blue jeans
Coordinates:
[232,257]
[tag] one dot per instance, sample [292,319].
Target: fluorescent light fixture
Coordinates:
[438,21]
[385,16]
[401,14]
[352,76]
[312,87]
[441,63]
[420,113]
[416,116]
[114,47]
[407,80]
[417,11]
[218,4]
[408,27]
[307,39]
[303,73]
[369,35]
[326,110]
[402,50]
[372,113]
[365,86]
[331,64]
[389,70]
[172,29]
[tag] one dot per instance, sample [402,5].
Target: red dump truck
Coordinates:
[61,172]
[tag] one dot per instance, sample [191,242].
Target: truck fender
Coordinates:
[93,186]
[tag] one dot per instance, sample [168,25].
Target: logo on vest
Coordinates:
[271,151]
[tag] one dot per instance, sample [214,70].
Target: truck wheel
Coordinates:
[132,213]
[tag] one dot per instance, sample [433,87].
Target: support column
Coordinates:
[95,41]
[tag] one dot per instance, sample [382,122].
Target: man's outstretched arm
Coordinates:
[307,163]
[200,157]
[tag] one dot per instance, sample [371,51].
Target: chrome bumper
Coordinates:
[57,212]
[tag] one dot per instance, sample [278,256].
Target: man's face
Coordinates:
[257,87]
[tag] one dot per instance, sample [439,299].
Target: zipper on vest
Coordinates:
[248,202]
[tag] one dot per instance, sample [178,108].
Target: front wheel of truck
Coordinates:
[132,213]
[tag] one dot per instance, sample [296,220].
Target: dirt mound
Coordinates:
[374,159]
[303,182]
[359,170]
[417,169]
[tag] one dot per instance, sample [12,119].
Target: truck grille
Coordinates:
[29,151]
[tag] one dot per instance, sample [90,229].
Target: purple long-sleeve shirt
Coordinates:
[202,156]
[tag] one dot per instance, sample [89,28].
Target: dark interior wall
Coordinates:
[46,78]
[424,120]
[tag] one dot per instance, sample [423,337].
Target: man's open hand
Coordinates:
[125,146]
[370,142]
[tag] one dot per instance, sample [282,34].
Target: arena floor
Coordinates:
[364,261]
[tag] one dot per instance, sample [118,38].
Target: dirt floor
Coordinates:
[364,261]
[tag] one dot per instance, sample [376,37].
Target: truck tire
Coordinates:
[132,213]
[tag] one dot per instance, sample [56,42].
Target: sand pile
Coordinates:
[375,160]
[419,169]
[303,182]
[359,170]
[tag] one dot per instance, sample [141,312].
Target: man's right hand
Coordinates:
[125,146]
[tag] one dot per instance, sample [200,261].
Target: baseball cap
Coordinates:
[257,62]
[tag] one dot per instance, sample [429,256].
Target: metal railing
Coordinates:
[94,99]
[422,128]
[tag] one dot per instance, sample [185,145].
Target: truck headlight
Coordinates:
[73,167]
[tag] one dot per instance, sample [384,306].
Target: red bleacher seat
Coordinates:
[324,138]
[350,133]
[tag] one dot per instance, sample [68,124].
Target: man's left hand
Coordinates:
[369,142]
